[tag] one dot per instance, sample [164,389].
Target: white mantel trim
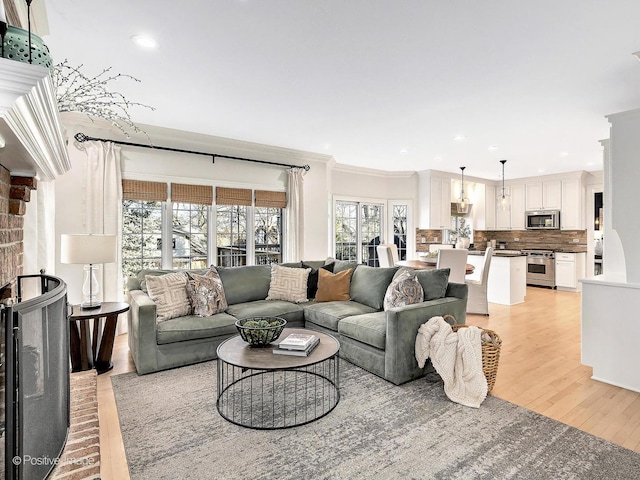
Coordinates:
[28,105]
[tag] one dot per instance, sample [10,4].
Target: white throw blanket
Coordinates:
[457,357]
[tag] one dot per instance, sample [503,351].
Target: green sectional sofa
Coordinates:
[382,342]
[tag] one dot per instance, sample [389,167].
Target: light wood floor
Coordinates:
[539,369]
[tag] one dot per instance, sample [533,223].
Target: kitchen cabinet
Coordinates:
[569,268]
[483,212]
[503,217]
[434,200]
[440,215]
[571,217]
[544,195]
[517,206]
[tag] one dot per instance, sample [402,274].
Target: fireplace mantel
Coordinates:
[29,122]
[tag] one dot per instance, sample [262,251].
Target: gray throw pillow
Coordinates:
[434,282]
[369,285]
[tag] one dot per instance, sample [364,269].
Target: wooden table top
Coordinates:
[422,265]
[106,308]
[236,351]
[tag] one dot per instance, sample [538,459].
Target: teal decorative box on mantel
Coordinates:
[16,47]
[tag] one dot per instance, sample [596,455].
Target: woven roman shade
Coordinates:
[265,198]
[233,196]
[141,190]
[200,194]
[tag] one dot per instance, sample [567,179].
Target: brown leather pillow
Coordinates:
[333,286]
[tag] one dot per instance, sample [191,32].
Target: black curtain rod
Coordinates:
[81,137]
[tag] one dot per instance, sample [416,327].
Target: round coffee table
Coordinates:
[260,389]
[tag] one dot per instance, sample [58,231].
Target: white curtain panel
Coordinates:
[103,213]
[39,235]
[294,234]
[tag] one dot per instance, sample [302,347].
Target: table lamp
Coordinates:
[88,249]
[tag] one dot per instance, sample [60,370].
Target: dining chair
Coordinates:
[434,247]
[387,254]
[477,299]
[456,260]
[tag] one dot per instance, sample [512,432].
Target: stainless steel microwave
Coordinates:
[542,220]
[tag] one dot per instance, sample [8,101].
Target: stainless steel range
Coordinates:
[541,268]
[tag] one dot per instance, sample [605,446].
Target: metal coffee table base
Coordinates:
[278,398]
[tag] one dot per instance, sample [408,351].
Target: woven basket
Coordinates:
[491,343]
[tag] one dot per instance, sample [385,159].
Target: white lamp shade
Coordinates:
[89,248]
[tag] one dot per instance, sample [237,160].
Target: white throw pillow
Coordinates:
[404,290]
[288,284]
[169,292]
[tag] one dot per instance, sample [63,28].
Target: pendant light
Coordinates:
[463,203]
[503,201]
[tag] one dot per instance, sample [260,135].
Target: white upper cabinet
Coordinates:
[571,216]
[503,217]
[434,201]
[483,211]
[544,195]
[517,206]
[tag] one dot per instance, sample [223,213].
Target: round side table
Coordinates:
[94,350]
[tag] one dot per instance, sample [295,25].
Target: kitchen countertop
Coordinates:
[499,253]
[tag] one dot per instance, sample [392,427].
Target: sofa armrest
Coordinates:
[142,331]
[402,327]
[458,290]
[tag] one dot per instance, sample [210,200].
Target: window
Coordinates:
[358,231]
[346,219]
[190,223]
[399,220]
[231,235]
[141,235]
[268,235]
[234,233]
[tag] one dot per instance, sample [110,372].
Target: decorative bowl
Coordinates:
[260,331]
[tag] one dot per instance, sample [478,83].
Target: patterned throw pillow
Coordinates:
[288,283]
[169,292]
[206,293]
[405,289]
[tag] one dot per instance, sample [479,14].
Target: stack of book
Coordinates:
[299,344]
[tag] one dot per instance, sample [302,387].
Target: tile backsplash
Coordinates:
[519,239]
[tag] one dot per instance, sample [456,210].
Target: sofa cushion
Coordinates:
[434,282]
[291,312]
[405,289]
[191,327]
[369,285]
[370,328]
[327,314]
[169,292]
[206,293]
[288,284]
[245,284]
[333,286]
[312,282]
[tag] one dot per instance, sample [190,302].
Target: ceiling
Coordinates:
[385,84]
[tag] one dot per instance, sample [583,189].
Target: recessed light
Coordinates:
[144,41]
[459,138]
[438,159]
[541,170]
[326,146]
[493,147]
[564,154]
[591,164]
[404,150]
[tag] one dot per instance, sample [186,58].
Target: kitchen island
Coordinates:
[507,282]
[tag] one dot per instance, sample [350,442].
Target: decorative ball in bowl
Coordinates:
[260,331]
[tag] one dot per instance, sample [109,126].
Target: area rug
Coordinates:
[171,429]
